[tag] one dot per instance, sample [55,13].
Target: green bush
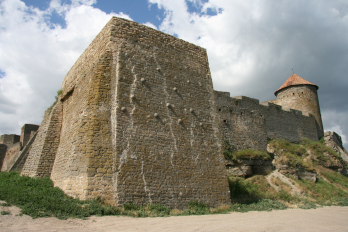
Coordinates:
[38,198]
[260,205]
[59,92]
[231,154]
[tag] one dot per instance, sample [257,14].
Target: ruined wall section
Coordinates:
[42,154]
[17,166]
[242,127]
[334,141]
[12,153]
[3,149]
[26,133]
[9,139]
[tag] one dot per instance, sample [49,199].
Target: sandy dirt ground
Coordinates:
[321,219]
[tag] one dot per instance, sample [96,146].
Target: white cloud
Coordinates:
[253,45]
[36,55]
[337,122]
[150,25]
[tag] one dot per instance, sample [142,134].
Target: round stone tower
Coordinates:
[299,94]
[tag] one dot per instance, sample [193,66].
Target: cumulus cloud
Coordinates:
[150,25]
[35,55]
[253,45]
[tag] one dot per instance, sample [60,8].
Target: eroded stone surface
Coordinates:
[112,135]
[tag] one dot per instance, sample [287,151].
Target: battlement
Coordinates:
[289,124]
[9,139]
[243,100]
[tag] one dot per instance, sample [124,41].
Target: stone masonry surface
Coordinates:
[9,139]
[138,120]
[248,124]
[11,156]
[138,123]
[26,131]
[303,98]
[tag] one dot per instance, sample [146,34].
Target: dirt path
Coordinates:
[322,219]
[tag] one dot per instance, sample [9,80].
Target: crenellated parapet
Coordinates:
[255,123]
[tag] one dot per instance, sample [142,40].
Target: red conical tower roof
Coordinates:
[294,80]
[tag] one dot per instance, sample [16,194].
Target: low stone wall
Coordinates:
[3,149]
[23,154]
[334,141]
[9,139]
[12,153]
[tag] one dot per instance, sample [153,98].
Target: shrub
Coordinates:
[231,154]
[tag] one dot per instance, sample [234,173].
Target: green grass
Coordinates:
[38,198]
[5,213]
[325,156]
[5,204]
[260,205]
[323,192]
[292,148]
[253,189]
[334,177]
[291,154]
[231,154]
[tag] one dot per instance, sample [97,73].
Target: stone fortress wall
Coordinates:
[245,123]
[14,148]
[303,98]
[138,120]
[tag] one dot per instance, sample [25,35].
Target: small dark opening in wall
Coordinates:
[225,121]
[302,92]
[293,93]
[241,113]
[219,109]
[67,95]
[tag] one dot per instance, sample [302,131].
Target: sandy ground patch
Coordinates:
[321,219]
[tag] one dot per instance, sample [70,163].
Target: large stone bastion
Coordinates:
[136,121]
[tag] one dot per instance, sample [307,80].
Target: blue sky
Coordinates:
[252,47]
[139,10]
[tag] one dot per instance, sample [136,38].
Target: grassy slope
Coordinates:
[331,187]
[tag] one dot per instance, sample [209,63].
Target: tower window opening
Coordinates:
[219,109]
